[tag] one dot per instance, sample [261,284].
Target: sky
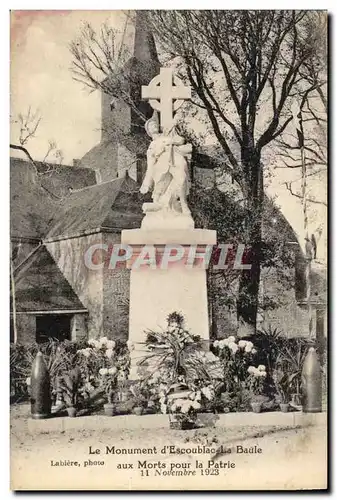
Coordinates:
[41,78]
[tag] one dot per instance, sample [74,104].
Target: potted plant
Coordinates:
[256,402]
[282,385]
[69,388]
[255,384]
[108,383]
[170,349]
[291,359]
[139,398]
[182,406]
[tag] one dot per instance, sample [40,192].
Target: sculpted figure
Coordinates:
[167,169]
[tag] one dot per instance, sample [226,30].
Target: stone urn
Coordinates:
[110,409]
[72,412]
[256,406]
[284,407]
[137,410]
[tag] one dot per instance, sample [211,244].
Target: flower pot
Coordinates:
[256,407]
[122,408]
[284,407]
[109,409]
[71,411]
[137,410]
[182,425]
[296,402]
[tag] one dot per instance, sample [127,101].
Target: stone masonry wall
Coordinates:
[116,290]
[87,284]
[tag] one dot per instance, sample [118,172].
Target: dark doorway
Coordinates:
[53,326]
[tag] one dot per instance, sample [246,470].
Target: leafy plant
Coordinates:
[282,383]
[140,394]
[69,386]
[235,357]
[269,342]
[170,350]
[290,360]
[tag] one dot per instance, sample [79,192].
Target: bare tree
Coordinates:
[28,124]
[100,65]
[313,112]
[245,69]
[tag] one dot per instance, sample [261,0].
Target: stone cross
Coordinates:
[166,94]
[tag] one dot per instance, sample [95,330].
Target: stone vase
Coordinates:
[284,407]
[72,412]
[256,407]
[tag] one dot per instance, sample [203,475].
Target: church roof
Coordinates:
[41,286]
[112,205]
[31,207]
[35,198]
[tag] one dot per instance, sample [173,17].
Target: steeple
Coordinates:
[142,67]
[144,45]
[122,127]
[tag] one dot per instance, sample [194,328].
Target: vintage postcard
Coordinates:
[168,264]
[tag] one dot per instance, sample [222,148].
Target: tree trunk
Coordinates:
[247,303]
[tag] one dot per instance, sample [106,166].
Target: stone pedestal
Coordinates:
[168,273]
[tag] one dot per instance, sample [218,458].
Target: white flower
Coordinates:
[216,343]
[111,344]
[103,371]
[207,393]
[211,357]
[109,353]
[130,345]
[196,405]
[163,408]
[185,407]
[242,344]
[155,377]
[28,381]
[162,400]
[263,374]
[89,387]
[233,347]
[92,342]
[87,352]
[251,369]
[231,339]
[103,341]
[112,371]
[261,368]
[254,351]
[248,348]
[121,376]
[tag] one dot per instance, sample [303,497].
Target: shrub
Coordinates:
[61,358]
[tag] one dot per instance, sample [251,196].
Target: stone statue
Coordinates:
[167,171]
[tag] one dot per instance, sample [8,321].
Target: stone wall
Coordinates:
[116,289]
[288,317]
[26,328]
[79,327]
[87,283]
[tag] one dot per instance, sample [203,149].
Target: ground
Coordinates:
[291,456]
